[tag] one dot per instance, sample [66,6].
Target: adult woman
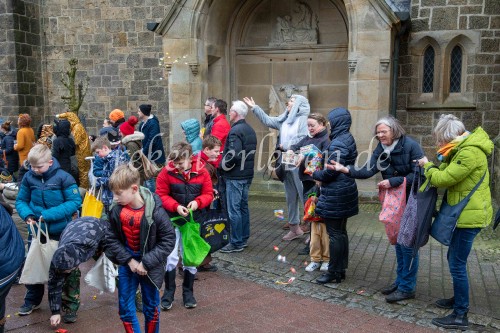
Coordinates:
[25,140]
[11,156]
[292,127]
[394,158]
[339,194]
[464,163]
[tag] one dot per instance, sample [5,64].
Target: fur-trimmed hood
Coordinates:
[136,136]
[300,107]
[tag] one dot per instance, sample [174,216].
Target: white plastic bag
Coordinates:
[37,264]
[102,275]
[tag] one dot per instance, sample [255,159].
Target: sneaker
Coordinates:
[27,309]
[69,318]
[207,268]
[389,289]
[312,266]
[229,248]
[399,296]
[324,267]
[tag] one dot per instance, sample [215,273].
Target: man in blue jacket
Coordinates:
[152,145]
[49,195]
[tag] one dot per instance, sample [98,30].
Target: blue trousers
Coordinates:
[127,287]
[238,212]
[458,252]
[406,276]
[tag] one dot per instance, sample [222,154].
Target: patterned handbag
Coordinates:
[393,205]
[409,220]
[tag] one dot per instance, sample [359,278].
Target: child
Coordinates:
[318,247]
[191,128]
[209,154]
[112,158]
[79,241]
[63,146]
[139,239]
[183,185]
[50,196]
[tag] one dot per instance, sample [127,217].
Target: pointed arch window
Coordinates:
[456,69]
[428,77]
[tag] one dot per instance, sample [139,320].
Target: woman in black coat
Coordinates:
[63,146]
[339,194]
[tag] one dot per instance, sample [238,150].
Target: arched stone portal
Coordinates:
[232,48]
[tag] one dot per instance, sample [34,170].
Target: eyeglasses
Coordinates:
[208,104]
[382,132]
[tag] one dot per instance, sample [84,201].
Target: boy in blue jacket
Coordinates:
[50,196]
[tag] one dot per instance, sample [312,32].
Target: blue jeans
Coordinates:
[458,252]
[127,287]
[237,209]
[406,276]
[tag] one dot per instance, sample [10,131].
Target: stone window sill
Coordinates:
[433,105]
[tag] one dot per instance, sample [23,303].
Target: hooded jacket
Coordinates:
[79,241]
[63,146]
[339,193]
[462,169]
[157,238]
[11,155]
[152,145]
[191,128]
[133,145]
[53,195]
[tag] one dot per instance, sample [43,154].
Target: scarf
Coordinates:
[445,150]
[388,149]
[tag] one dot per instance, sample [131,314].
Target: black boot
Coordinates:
[452,321]
[187,290]
[445,303]
[329,277]
[168,294]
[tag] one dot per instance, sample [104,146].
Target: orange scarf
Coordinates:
[445,150]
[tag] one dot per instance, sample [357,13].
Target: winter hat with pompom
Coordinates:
[128,127]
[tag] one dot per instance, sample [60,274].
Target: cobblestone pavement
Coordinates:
[371,267]
[243,296]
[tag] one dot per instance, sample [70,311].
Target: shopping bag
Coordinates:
[37,263]
[309,210]
[195,248]
[393,205]
[446,221]
[409,221]
[102,275]
[92,205]
[214,228]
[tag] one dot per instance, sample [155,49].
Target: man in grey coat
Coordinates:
[292,127]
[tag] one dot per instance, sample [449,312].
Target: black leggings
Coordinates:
[339,244]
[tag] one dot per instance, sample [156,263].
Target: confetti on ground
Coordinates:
[290,280]
[94,297]
[276,248]
[306,263]
[293,270]
[61,330]
[281,258]
[8,316]
[279,214]
[360,292]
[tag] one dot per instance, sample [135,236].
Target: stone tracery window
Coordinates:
[456,69]
[428,70]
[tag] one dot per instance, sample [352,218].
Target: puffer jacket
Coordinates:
[339,193]
[11,155]
[53,195]
[462,169]
[320,140]
[174,189]
[11,243]
[152,145]
[239,154]
[191,129]
[394,167]
[157,238]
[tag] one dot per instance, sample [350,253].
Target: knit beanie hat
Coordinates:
[145,109]
[116,114]
[128,127]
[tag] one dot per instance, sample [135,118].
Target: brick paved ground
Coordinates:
[243,296]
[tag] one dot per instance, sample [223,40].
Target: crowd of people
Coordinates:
[142,188]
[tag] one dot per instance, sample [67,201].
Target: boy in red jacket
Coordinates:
[183,185]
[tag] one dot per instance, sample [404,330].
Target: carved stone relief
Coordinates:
[280,94]
[300,27]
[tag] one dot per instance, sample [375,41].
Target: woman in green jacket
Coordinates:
[464,162]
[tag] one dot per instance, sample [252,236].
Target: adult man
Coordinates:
[237,171]
[207,123]
[152,145]
[220,127]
